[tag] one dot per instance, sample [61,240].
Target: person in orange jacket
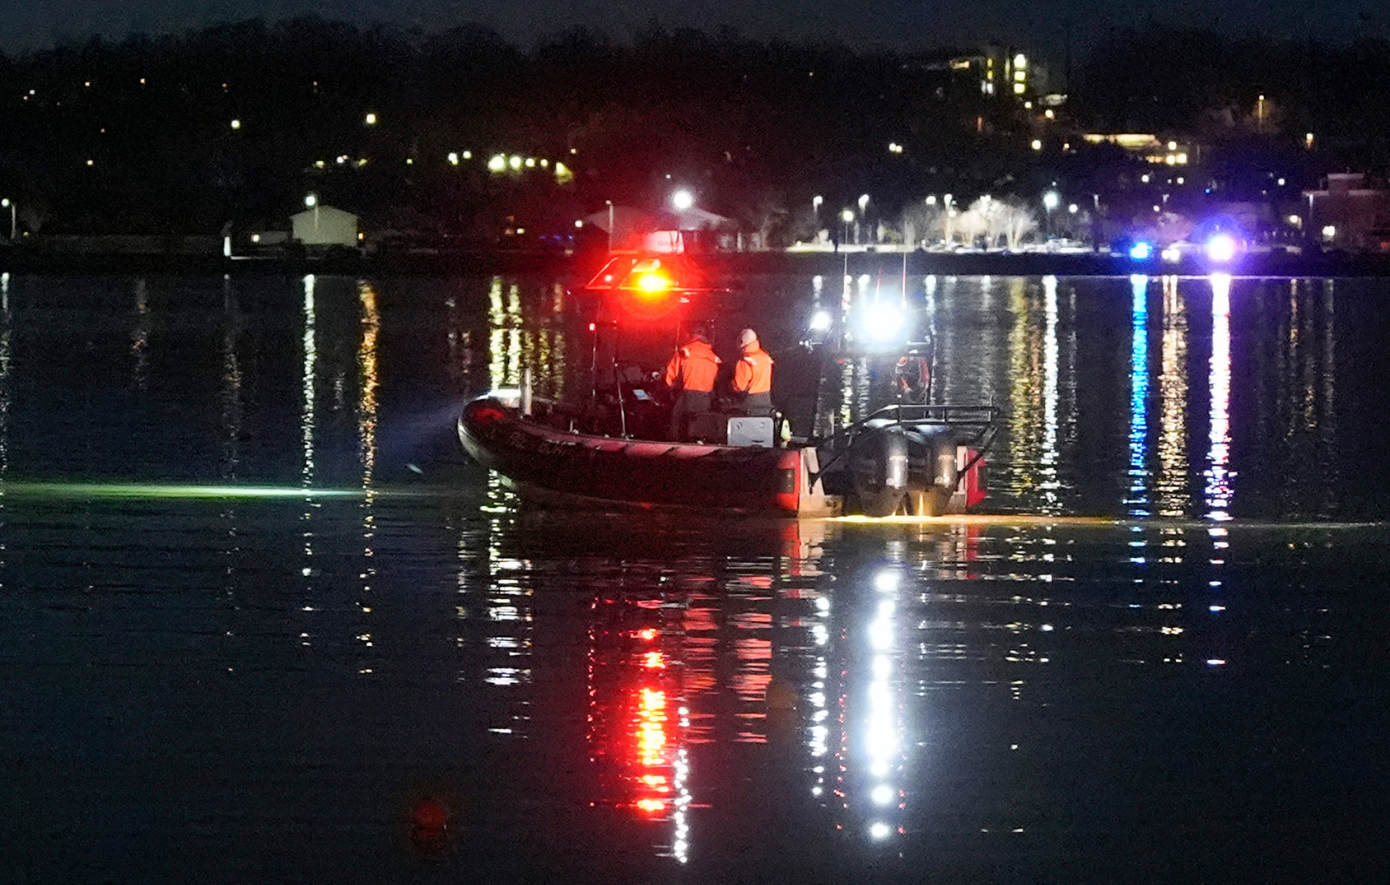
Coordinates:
[752,383]
[690,375]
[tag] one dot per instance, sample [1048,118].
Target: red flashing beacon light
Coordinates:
[652,283]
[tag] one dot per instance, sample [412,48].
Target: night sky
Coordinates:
[1047,28]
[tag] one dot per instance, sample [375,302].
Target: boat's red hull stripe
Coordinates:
[642,473]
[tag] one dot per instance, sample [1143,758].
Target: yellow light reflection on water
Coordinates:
[1014,520]
[1171,489]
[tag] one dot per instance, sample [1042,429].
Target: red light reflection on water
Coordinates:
[636,711]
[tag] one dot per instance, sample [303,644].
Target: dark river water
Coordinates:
[261,620]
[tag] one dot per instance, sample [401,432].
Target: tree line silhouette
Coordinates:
[237,123]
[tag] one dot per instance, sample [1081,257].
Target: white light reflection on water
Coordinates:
[232,407]
[1327,369]
[308,387]
[1218,475]
[1048,482]
[1137,501]
[818,733]
[872,757]
[233,416]
[140,335]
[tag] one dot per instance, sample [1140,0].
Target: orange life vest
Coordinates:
[753,374]
[693,367]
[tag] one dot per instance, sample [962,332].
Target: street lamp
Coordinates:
[1050,201]
[610,224]
[847,217]
[682,199]
[1095,222]
[6,203]
[312,201]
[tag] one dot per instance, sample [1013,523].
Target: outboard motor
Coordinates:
[934,475]
[879,470]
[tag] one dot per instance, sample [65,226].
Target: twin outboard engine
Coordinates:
[901,468]
[878,468]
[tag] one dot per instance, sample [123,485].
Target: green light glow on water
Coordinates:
[162,490]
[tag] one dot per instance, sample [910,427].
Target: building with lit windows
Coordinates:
[1002,72]
[994,72]
[1347,213]
[1147,147]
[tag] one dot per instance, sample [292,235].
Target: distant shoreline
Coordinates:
[917,263]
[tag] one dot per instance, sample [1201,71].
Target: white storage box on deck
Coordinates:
[745,431]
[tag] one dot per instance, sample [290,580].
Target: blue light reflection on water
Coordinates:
[1027,693]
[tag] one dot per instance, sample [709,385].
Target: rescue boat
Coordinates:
[913,458]
[924,460]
